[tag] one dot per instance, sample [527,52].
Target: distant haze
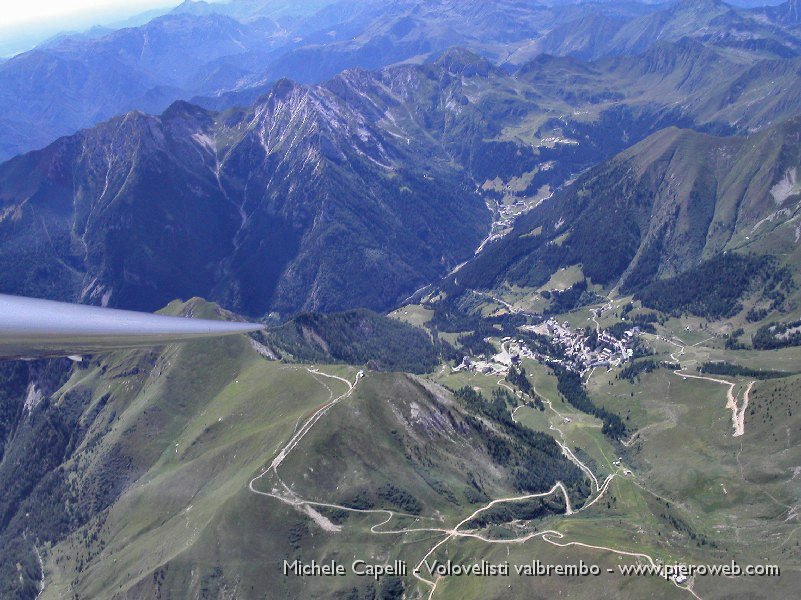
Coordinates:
[39,13]
[26,24]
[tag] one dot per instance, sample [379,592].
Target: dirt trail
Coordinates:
[740,425]
[547,535]
[299,435]
[288,496]
[308,506]
[565,449]
[737,412]
[454,533]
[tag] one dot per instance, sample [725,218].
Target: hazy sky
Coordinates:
[23,13]
[26,23]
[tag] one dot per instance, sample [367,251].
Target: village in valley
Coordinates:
[579,350]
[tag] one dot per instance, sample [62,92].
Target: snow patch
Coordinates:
[88,288]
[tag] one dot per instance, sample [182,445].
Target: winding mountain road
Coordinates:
[287,496]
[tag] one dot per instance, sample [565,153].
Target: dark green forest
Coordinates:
[357,337]
[724,368]
[777,335]
[534,458]
[714,289]
[570,386]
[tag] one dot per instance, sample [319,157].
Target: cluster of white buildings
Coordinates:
[578,354]
[512,351]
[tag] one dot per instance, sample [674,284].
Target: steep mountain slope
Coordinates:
[709,21]
[208,49]
[709,87]
[356,337]
[743,34]
[585,38]
[788,13]
[656,210]
[300,202]
[350,194]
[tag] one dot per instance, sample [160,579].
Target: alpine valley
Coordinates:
[530,278]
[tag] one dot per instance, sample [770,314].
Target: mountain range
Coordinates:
[301,201]
[351,193]
[212,50]
[658,209]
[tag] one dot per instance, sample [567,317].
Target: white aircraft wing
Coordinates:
[31,328]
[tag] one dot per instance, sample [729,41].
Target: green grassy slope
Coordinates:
[155,495]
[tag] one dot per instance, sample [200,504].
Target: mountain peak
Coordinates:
[182,108]
[282,89]
[193,7]
[460,61]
